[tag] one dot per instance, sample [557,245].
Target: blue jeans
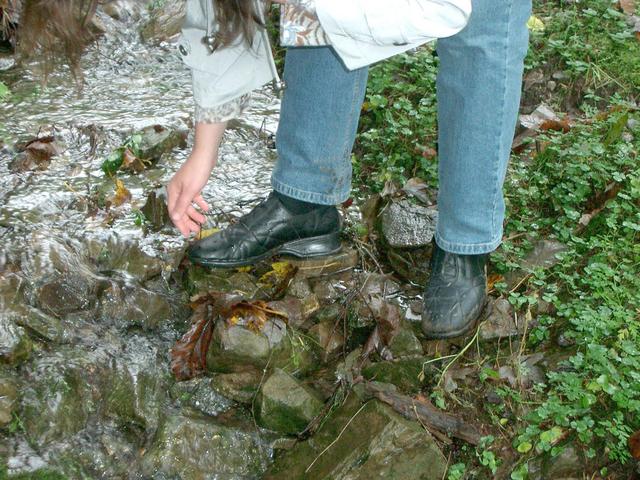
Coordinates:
[478,91]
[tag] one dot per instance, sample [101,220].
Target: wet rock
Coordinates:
[201,394]
[407,225]
[134,306]
[286,405]
[15,345]
[8,398]
[330,289]
[191,447]
[57,398]
[361,443]
[240,386]
[274,344]
[129,257]
[568,465]
[134,389]
[200,279]
[404,373]
[500,321]
[165,21]
[61,295]
[405,343]
[299,287]
[343,261]
[157,139]
[329,336]
[155,210]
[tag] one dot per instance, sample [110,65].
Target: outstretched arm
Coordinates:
[186,186]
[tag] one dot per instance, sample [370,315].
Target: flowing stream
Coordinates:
[97,399]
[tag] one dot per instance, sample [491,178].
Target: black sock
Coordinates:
[298,207]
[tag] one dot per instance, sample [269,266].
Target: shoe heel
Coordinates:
[313,246]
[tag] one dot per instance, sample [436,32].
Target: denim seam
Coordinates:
[502,120]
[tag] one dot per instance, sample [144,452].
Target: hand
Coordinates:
[184,189]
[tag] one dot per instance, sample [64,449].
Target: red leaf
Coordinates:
[634,445]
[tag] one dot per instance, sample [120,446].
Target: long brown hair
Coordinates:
[235,19]
[55,30]
[58,30]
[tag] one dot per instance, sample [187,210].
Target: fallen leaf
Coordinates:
[417,188]
[387,316]
[189,354]
[278,278]
[252,315]
[122,195]
[132,163]
[36,154]
[207,233]
[493,279]
[535,24]
[634,445]
[556,125]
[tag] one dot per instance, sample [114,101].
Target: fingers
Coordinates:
[201,203]
[195,216]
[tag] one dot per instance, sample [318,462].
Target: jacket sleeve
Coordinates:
[223,80]
[386,25]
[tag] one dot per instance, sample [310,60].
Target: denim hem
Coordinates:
[467,248]
[305,196]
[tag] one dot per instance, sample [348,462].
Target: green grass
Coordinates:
[592,172]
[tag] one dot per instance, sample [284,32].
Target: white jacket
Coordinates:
[362,32]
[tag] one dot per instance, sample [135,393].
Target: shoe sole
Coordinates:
[304,248]
[460,332]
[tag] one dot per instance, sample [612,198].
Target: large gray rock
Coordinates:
[363,443]
[408,225]
[192,447]
[285,405]
[165,21]
[64,294]
[240,386]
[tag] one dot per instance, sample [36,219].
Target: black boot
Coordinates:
[455,294]
[278,225]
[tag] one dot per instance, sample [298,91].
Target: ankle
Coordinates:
[299,207]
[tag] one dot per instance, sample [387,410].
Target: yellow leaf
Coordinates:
[207,233]
[535,24]
[122,195]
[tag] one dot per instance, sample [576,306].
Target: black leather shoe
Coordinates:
[270,229]
[455,294]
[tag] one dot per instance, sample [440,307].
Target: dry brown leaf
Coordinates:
[493,279]
[387,317]
[189,354]
[556,125]
[132,163]
[634,445]
[252,315]
[36,154]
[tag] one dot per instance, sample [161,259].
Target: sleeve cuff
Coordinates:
[224,112]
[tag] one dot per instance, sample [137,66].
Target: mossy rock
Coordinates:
[360,443]
[286,405]
[403,373]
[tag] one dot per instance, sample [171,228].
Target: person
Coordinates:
[481,52]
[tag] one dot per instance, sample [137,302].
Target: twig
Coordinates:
[336,439]
[462,352]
